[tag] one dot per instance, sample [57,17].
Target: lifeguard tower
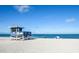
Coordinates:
[18,34]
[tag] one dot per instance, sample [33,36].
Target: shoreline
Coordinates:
[9,38]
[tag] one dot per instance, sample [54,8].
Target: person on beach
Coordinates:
[57,37]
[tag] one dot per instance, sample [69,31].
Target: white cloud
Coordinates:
[70,20]
[22,8]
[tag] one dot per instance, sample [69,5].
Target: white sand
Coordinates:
[39,45]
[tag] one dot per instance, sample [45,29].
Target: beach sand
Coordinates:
[39,45]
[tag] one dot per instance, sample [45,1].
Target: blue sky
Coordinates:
[40,18]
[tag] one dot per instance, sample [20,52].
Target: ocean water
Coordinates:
[70,36]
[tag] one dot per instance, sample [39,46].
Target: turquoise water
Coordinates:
[4,35]
[72,36]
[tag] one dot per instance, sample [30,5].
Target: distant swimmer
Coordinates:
[57,37]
